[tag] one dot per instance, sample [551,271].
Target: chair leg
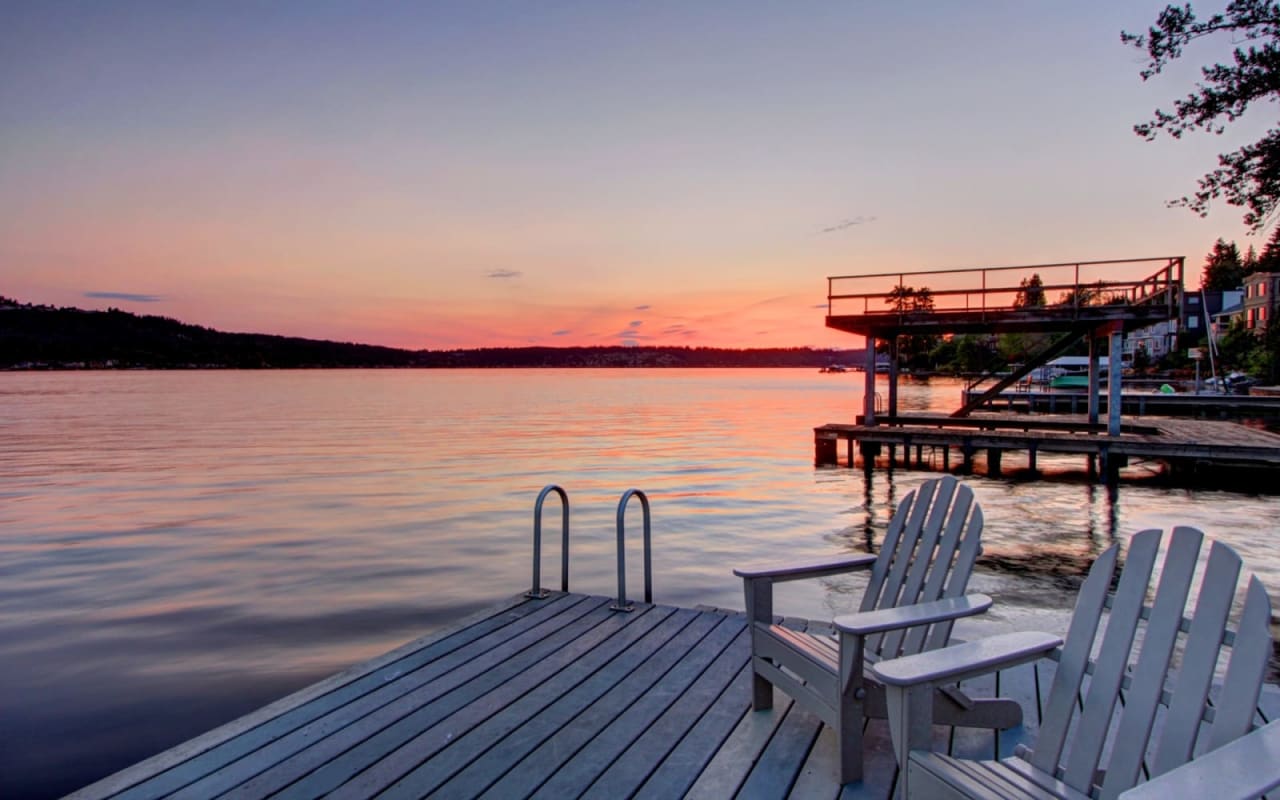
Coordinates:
[850,713]
[761,693]
[910,725]
[850,741]
[759,597]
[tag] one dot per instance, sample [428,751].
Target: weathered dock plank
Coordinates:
[781,760]
[817,773]
[274,767]
[688,760]
[508,735]
[165,772]
[576,774]
[559,745]
[634,765]
[731,765]
[431,725]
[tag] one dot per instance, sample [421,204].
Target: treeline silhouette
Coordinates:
[45,337]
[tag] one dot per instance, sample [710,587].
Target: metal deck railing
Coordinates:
[1063,286]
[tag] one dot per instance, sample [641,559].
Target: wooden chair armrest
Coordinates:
[812,569]
[966,660]
[891,619]
[1245,768]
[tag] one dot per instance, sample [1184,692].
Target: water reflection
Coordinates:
[1043,544]
[869,504]
[1107,532]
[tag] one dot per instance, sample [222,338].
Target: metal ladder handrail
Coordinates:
[537,592]
[622,604]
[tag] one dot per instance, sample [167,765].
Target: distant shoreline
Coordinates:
[228,368]
[45,338]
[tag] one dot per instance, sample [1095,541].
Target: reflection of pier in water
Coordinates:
[1061,555]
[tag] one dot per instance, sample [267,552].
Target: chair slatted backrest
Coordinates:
[927,554]
[1143,673]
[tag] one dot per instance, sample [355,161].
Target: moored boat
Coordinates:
[1069,382]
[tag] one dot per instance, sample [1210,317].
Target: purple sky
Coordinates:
[476,173]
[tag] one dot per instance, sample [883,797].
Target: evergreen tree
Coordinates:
[901,298]
[1269,261]
[1018,347]
[1030,292]
[1222,268]
[1250,261]
[913,350]
[923,300]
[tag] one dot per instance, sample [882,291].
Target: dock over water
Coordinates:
[938,441]
[1095,308]
[555,697]
[1099,312]
[1138,404]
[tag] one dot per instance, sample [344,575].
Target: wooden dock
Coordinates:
[1095,307]
[558,697]
[1139,404]
[1184,444]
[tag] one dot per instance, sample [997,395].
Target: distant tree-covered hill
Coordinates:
[44,337]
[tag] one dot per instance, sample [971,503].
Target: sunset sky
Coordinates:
[464,174]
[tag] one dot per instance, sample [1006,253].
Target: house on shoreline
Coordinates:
[1261,291]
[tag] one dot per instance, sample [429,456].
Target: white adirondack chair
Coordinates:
[1249,767]
[1136,712]
[914,593]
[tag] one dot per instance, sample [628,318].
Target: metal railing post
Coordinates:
[537,592]
[1076,294]
[622,604]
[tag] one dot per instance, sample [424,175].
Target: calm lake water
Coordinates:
[179,548]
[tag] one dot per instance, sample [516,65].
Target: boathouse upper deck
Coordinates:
[1128,293]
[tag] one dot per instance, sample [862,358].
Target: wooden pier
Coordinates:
[1184,444]
[1204,406]
[555,697]
[1095,307]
